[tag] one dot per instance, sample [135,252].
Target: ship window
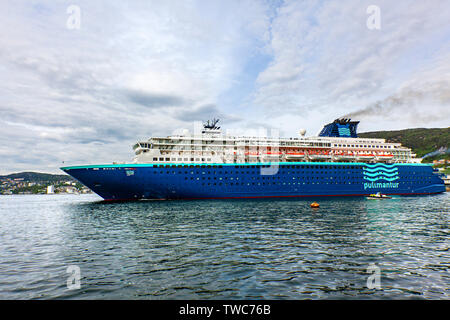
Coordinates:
[161,159]
[155,159]
[167,159]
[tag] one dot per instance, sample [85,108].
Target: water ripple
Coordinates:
[237,249]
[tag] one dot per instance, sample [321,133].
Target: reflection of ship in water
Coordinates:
[215,165]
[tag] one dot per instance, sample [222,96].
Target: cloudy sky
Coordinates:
[84,90]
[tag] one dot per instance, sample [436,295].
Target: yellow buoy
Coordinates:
[315,205]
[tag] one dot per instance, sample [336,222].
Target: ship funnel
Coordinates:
[340,128]
[302,132]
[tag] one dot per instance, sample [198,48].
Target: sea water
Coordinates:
[77,247]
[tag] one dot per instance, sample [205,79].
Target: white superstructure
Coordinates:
[211,146]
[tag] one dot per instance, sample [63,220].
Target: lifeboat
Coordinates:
[295,155]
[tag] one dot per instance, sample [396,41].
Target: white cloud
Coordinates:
[146,68]
[324,57]
[130,70]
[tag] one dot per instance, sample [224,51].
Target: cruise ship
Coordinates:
[209,164]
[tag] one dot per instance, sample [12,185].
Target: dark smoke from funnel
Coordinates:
[410,103]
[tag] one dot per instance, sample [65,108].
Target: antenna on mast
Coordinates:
[211,125]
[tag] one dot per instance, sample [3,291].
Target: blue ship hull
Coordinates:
[120,182]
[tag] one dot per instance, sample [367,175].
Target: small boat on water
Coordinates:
[378,196]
